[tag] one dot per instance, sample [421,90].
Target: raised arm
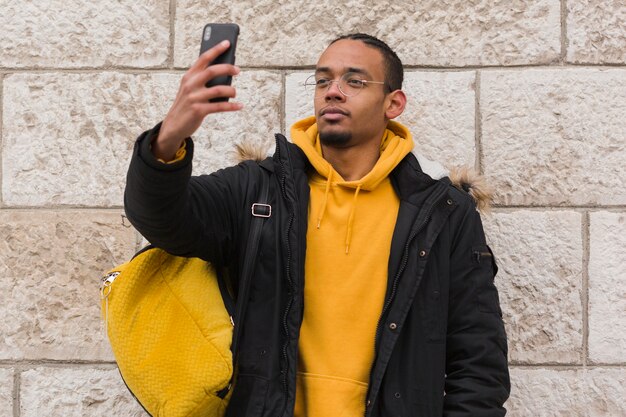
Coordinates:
[190,216]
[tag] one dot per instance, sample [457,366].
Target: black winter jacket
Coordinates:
[441,347]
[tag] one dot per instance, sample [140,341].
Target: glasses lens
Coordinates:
[310,85]
[351,84]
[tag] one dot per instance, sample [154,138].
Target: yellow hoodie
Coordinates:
[349,234]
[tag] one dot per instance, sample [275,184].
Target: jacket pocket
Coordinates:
[248,399]
[486,291]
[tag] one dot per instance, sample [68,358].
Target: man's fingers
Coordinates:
[219,107]
[206,94]
[214,71]
[199,79]
[209,55]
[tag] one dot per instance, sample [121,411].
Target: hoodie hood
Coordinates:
[396,143]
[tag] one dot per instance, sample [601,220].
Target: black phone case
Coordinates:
[213,34]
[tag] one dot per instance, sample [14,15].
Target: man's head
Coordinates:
[394,72]
[347,119]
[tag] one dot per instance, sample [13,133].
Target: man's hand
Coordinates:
[192,104]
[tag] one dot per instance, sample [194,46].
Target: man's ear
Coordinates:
[395,102]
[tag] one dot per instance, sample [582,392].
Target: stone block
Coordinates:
[540,282]
[6,392]
[555,136]
[298,102]
[607,288]
[51,264]
[596,31]
[432,33]
[440,112]
[79,34]
[76,392]
[544,392]
[68,138]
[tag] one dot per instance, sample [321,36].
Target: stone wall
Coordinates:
[532,93]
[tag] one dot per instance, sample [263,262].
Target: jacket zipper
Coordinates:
[288,271]
[405,259]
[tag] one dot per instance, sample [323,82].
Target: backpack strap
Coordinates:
[260,210]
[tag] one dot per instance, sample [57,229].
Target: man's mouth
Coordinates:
[333,113]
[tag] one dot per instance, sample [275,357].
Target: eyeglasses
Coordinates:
[350,84]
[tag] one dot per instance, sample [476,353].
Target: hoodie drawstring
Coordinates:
[324,203]
[352,209]
[351,219]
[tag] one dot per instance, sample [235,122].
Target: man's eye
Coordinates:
[355,82]
[322,82]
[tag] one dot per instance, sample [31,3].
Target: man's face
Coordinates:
[347,121]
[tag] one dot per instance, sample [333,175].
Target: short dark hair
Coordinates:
[394,73]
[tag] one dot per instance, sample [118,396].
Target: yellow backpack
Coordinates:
[170,333]
[170,324]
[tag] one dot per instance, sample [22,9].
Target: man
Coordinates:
[373,288]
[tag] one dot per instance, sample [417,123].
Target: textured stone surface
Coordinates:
[51,264]
[540,281]
[607,288]
[6,392]
[76,393]
[298,102]
[596,31]
[553,137]
[544,392]
[76,34]
[440,112]
[68,137]
[432,32]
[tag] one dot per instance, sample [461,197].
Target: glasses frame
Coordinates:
[311,83]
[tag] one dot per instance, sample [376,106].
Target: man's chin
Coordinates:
[335,138]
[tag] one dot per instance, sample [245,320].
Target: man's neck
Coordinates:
[353,162]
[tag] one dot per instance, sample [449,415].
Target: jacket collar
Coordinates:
[410,182]
[413,175]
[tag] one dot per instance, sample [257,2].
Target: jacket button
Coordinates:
[393,326]
[422,253]
[397,395]
[368,403]
[449,202]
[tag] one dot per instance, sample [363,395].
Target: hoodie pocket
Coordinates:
[327,395]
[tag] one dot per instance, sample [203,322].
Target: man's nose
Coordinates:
[334,93]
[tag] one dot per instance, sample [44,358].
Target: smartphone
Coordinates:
[213,34]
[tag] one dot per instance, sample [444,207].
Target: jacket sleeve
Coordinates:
[184,215]
[477,376]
